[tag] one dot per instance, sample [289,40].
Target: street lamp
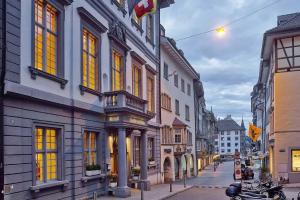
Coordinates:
[220,31]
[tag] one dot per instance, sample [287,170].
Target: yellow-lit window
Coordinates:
[137,81]
[90,148]
[150,93]
[46,34]
[45,154]
[89,60]
[117,72]
[296,160]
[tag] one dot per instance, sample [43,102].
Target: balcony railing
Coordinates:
[123,99]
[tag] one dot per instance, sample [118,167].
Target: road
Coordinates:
[209,185]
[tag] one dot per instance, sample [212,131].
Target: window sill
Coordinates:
[150,41]
[84,89]
[43,186]
[120,7]
[86,179]
[36,72]
[166,109]
[152,114]
[137,26]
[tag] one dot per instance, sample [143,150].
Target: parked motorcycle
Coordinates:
[264,191]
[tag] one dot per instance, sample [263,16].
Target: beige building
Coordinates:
[278,89]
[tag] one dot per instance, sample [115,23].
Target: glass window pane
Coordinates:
[51,54]
[39,139]
[84,68]
[39,167]
[51,139]
[93,160]
[51,18]
[38,48]
[38,11]
[85,141]
[93,141]
[296,160]
[51,166]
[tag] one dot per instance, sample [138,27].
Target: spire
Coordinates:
[242,124]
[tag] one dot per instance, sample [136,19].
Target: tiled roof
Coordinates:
[228,124]
[286,22]
[178,122]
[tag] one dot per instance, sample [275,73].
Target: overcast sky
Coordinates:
[228,66]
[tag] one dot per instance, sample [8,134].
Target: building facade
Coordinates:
[79,92]
[276,96]
[229,137]
[206,129]
[177,112]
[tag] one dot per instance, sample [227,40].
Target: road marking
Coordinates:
[211,186]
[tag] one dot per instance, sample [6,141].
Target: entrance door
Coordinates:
[113,146]
[177,165]
[167,170]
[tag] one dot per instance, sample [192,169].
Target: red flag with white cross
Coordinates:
[145,7]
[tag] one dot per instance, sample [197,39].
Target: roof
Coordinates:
[178,122]
[169,45]
[287,25]
[286,22]
[228,124]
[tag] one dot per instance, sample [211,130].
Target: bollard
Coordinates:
[142,190]
[184,181]
[171,186]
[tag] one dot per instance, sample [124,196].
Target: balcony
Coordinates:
[123,107]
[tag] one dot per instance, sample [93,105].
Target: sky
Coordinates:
[228,65]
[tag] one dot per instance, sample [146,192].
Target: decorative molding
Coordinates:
[137,57]
[89,90]
[67,2]
[137,26]
[45,186]
[150,69]
[84,14]
[117,32]
[120,6]
[36,72]
[102,9]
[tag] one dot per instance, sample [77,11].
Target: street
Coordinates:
[209,185]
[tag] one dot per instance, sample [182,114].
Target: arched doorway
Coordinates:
[167,170]
[177,167]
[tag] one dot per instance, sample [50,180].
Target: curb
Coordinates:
[175,193]
[211,186]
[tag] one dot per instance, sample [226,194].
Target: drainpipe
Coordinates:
[2,86]
[159,81]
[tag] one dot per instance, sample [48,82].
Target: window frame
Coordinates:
[97,150]
[177,136]
[150,21]
[182,85]
[177,107]
[151,76]
[97,35]
[291,162]
[60,67]
[166,71]
[122,70]
[136,65]
[59,148]
[176,80]
[137,151]
[152,149]
[187,113]
[188,89]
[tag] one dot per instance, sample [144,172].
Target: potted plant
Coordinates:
[135,171]
[112,180]
[92,170]
[151,161]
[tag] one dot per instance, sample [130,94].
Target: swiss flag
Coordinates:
[144,7]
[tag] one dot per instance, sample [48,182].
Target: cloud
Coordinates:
[228,66]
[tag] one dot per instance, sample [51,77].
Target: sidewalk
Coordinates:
[158,192]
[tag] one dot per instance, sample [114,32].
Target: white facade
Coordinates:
[177,66]
[228,142]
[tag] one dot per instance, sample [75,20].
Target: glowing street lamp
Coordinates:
[221,31]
